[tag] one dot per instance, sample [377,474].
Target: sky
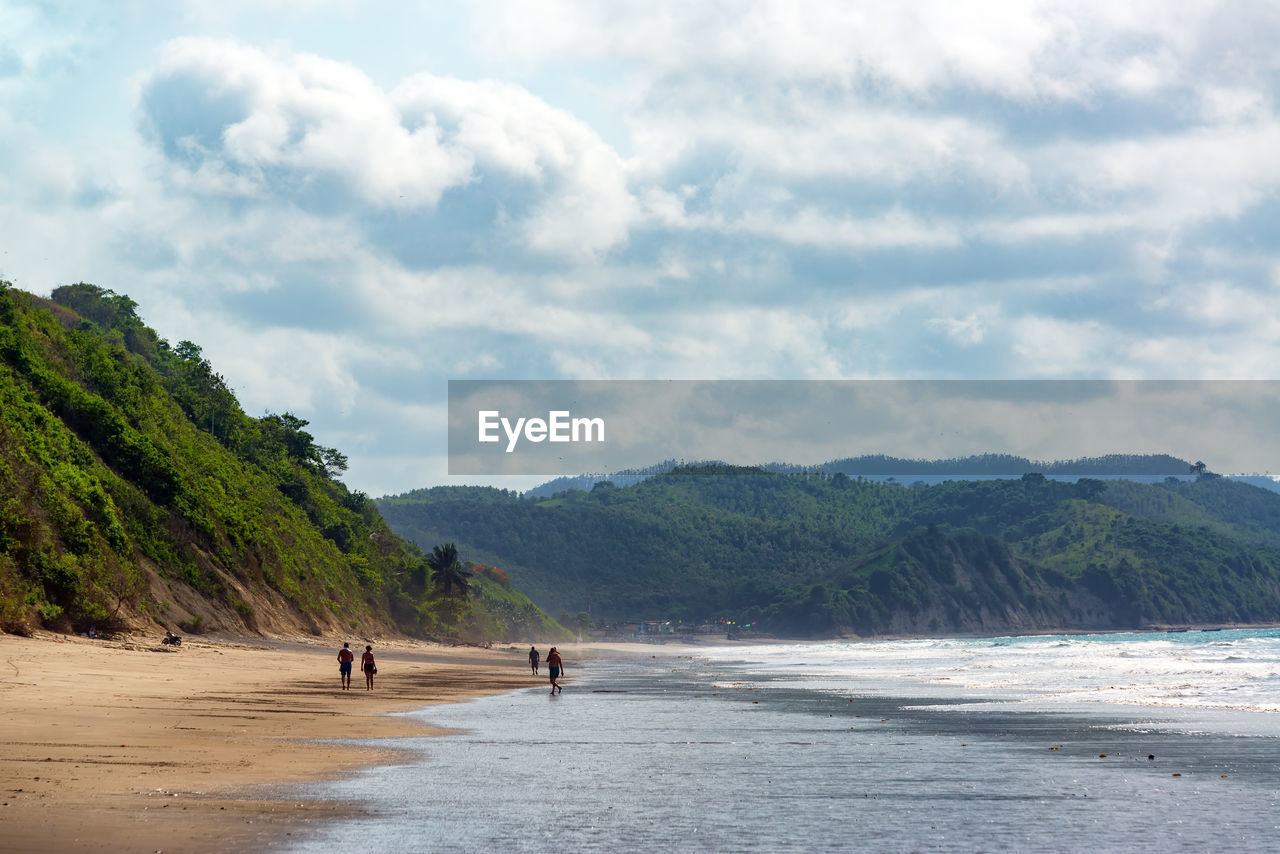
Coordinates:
[347,204]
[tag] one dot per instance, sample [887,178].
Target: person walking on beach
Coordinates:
[554,667]
[345,657]
[369,667]
[534,658]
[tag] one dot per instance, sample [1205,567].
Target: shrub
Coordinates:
[48,612]
[194,625]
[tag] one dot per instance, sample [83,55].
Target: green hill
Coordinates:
[816,554]
[134,491]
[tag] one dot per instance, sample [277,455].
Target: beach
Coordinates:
[1050,743]
[125,744]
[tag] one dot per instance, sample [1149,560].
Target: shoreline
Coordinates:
[125,744]
[673,754]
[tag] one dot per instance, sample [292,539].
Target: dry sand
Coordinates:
[127,745]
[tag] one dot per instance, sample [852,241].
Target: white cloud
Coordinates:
[1233,105]
[809,132]
[1199,174]
[39,37]
[749,342]
[1200,356]
[1220,305]
[242,122]
[1026,51]
[965,331]
[1050,347]
[807,227]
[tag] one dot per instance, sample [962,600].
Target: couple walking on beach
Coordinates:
[367,664]
[555,667]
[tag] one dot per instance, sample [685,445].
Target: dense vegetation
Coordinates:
[134,489]
[819,554]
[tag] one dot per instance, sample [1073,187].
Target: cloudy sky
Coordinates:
[349,203]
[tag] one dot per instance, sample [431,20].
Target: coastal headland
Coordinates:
[114,745]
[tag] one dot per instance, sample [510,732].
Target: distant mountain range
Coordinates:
[813,553]
[1141,467]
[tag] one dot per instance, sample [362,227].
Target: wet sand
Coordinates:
[130,745]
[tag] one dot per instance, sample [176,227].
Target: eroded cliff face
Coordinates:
[984,596]
[945,583]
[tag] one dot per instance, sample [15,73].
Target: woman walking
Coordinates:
[369,667]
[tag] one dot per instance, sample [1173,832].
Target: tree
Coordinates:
[285,432]
[104,307]
[333,460]
[449,571]
[188,351]
[580,622]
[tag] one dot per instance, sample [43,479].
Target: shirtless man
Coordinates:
[555,667]
[534,658]
[345,657]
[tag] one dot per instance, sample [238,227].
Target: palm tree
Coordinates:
[449,571]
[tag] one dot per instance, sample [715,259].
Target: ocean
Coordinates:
[1097,743]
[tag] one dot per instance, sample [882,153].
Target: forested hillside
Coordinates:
[816,554]
[134,491]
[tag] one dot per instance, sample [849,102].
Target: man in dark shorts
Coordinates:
[534,658]
[345,657]
[555,667]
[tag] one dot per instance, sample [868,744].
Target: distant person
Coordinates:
[534,658]
[369,667]
[554,667]
[345,657]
